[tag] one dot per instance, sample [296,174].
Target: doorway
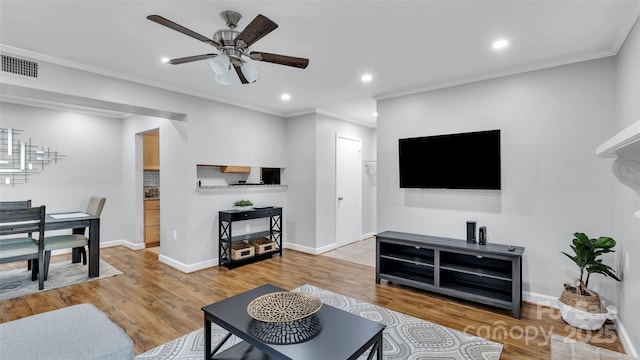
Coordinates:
[151,189]
[348,189]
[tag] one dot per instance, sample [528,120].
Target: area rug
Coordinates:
[361,252]
[405,337]
[17,282]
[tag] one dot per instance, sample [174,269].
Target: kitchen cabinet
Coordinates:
[235,169]
[151,151]
[151,223]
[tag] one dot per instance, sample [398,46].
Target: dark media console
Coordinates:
[490,274]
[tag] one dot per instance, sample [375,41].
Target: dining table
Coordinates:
[79,219]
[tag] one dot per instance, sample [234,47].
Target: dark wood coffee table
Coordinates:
[342,335]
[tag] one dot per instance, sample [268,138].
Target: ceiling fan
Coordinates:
[233,45]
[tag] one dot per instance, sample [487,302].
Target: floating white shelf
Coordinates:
[241,188]
[625,147]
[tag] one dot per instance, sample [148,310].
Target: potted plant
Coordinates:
[243,204]
[580,306]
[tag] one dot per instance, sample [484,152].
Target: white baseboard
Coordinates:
[187,268]
[366,236]
[105,244]
[309,250]
[546,300]
[540,299]
[628,345]
[124,243]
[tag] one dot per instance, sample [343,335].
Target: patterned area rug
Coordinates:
[405,337]
[15,283]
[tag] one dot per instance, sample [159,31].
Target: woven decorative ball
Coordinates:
[283,306]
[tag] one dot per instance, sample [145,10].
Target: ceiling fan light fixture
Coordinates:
[250,72]
[220,64]
[500,44]
[225,78]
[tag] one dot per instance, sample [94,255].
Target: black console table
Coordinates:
[226,239]
[490,274]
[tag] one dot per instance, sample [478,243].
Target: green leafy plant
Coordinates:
[586,254]
[243,202]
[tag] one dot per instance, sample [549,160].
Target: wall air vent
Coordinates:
[19,66]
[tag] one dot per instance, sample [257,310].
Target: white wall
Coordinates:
[93,149]
[553,185]
[627,228]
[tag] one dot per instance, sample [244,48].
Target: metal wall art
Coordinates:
[19,160]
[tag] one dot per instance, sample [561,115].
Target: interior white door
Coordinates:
[348,190]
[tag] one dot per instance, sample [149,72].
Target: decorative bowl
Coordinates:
[284,306]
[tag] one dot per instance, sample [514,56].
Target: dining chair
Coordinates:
[20,204]
[76,240]
[23,221]
[10,205]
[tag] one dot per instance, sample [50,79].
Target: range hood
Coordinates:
[625,147]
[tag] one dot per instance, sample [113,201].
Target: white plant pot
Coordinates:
[243,208]
[585,320]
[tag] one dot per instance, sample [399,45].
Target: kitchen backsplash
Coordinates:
[151,178]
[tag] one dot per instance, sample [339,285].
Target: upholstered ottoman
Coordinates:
[75,332]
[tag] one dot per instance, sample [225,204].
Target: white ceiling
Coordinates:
[406,45]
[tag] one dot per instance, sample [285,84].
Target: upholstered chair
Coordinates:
[77,240]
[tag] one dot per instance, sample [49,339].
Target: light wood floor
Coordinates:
[155,303]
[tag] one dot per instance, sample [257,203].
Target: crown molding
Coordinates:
[139,80]
[494,75]
[331,114]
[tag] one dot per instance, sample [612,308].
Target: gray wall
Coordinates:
[311,178]
[212,133]
[627,228]
[553,184]
[300,176]
[204,132]
[93,148]
[327,127]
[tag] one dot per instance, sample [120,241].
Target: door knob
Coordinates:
[340,198]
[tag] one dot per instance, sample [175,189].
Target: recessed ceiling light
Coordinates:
[366,78]
[165,60]
[285,97]
[375,114]
[500,44]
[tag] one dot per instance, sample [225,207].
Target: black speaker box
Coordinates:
[471,232]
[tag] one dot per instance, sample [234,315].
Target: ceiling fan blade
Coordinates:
[241,75]
[301,63]
[171,25]
[256,30]
[191,58]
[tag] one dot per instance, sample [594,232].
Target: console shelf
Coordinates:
[227,239]
[488,274]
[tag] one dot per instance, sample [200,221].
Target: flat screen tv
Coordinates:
[453,161]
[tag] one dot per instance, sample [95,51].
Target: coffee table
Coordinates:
[342,335]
